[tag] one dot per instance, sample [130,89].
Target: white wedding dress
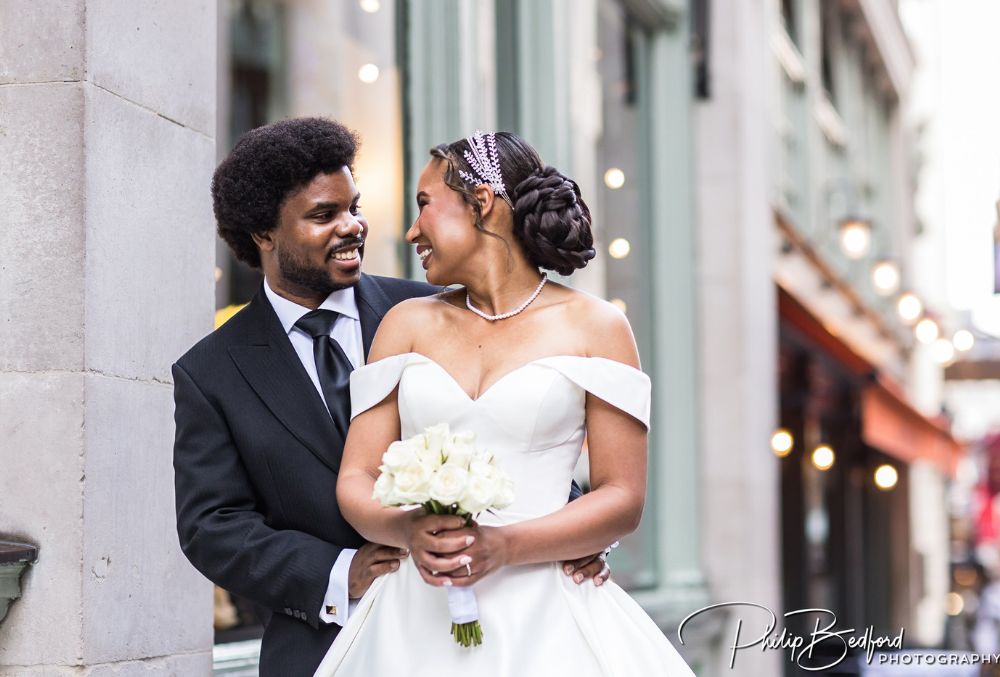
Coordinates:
[536,621]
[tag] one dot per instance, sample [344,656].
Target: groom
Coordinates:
[262,404]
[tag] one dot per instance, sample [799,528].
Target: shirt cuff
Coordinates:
[335,604]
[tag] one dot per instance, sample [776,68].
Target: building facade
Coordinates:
[733,153]
[749,167]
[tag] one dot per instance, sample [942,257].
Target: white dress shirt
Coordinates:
[346,332]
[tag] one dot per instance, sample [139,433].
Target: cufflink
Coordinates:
[331,609]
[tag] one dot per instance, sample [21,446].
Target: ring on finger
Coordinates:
[468,569]
[606,571]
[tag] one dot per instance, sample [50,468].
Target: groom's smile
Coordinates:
[318,243]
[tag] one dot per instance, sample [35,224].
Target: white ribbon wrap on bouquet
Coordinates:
[462,605]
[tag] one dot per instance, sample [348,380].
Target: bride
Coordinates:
[533,368]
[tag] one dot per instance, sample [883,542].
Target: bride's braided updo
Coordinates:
[551,220]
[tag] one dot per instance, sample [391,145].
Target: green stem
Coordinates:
[467,634]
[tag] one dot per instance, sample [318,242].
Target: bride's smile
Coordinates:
[467,238]
[451,249]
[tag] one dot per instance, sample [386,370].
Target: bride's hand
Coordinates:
[485,554]
[436,543]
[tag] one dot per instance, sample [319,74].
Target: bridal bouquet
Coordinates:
[446,474]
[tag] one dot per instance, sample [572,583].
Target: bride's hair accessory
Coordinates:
[484,160]
[512,313]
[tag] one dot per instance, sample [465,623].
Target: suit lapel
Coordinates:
[373,304]
[272,368]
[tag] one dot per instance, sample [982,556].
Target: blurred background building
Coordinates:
[754,171]
[790,204]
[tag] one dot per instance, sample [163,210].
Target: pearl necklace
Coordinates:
[504,316]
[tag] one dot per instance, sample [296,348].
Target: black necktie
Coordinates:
[332,365]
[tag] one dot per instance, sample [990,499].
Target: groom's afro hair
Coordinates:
[266,167]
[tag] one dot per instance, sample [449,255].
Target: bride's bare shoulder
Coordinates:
[605,328]
[422,309]
[406,320]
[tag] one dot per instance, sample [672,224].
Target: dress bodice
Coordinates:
[536,620]
[532,419]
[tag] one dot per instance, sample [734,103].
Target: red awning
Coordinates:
[888,422]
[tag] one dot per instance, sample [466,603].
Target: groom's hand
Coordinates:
[591,566]
[371,561]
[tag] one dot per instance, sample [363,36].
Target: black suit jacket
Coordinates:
[256,457]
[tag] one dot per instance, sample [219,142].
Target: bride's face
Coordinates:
[444,230]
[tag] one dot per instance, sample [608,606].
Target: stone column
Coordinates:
[738,326]
[106,276]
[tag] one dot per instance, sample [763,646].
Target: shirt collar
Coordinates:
[341,301]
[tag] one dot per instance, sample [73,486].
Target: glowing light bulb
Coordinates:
[885,278]
[614,178]
[963,340]
[886,476]
[823,457]
[943,351]
[368,73]
[619,248]
[926,330]
[782,442]
[909,308]
[855,238]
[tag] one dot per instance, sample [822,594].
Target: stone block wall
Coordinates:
[107,146]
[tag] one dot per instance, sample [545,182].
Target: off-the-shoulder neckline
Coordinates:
[507,374]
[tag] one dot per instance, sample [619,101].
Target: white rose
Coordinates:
[383,488]
[448,484]
[429,457]
[400,454]
[436,437]
[480,493]
[461,449]
[480,468]
[505,493]
[410,484]
[483,456]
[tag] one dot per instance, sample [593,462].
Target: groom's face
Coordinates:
[319,241]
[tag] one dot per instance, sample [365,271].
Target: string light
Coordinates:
[909,308]
[368,73]
[885,277]
[614,178]
[855,238]
[927,330]
[619,248]
[782,442]
[963,340]
[823,457]
[886,477]
[943,351]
